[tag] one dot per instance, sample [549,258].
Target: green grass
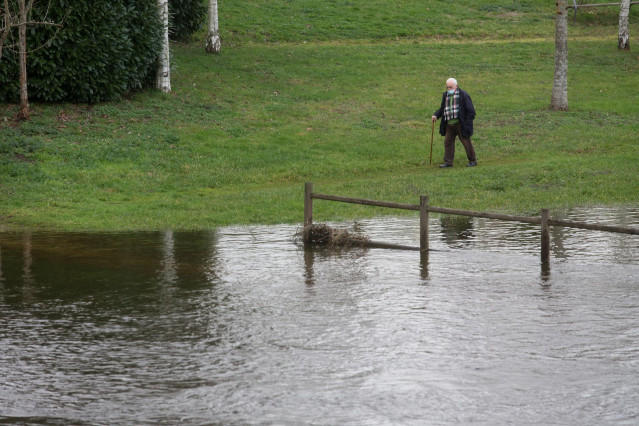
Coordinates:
[344,103]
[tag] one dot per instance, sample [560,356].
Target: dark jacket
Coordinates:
[466,114]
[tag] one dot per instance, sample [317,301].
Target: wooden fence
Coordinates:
[424,209]
[581,5]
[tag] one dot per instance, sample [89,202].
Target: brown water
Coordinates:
[242,325]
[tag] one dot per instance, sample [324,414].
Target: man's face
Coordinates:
[451,86]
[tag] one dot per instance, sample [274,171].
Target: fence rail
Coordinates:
[545,221]
[579,6]
[365,202]
[576,6]
[593,226]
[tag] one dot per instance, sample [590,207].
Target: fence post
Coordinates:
[545,236]
[423,223]
[308,210]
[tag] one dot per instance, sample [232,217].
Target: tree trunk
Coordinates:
[163,75]
[559,99]
[624,37]
[6,25]
[213,42]
[22,41]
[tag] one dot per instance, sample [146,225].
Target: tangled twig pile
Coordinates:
[324,234]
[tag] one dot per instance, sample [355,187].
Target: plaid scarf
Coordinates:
[452,106]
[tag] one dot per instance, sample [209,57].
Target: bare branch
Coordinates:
[11,21]
[22,18]
[29,6]
[6,30]
[42,23]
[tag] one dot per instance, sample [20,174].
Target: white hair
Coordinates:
[453,80]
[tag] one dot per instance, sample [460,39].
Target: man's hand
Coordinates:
[434,118]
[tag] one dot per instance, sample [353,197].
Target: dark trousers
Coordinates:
[452,131]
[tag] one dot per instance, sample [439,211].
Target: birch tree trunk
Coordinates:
[624,37]
[213,42]
[163,74]
[559,99]
[23,114]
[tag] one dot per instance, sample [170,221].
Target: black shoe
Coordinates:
[442,166]
[471,164]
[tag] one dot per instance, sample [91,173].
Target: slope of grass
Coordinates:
[243,131]
[277,21]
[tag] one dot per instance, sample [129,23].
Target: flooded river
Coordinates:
[244,326]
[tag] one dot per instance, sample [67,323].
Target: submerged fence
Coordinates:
[424,209]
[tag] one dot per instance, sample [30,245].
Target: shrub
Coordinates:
[186,17]
[104,49]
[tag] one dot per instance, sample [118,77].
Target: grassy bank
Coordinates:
[243,131]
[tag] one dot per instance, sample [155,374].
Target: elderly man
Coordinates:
[457,113]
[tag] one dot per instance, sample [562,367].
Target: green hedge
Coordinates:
[186,17]
[104,49]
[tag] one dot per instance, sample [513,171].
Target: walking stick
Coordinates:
[432,135]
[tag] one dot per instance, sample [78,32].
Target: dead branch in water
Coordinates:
[324,234]
[331,237]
